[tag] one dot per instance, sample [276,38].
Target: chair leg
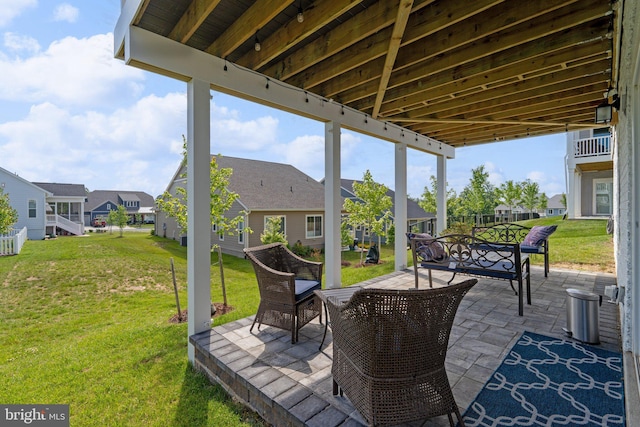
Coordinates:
[336,388]
[459,417]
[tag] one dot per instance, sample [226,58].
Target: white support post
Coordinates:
[441,202]
[332,205]
[198,209]
[400,206]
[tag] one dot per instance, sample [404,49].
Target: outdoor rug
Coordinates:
[547,381]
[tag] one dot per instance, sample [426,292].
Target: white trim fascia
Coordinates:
[152,52]
[21,179]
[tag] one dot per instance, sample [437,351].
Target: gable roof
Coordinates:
[272,186]
[20,179]
[98,197]
[555,202]
[63,190]
[414,211]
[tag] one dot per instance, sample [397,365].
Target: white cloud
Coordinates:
[19,43]
[134,148]
[232,134]
[495,175]
[65,12]
[420,178]
[536,176]
[71,71]
[9,9]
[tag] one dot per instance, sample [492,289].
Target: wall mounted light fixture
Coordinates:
[604,111]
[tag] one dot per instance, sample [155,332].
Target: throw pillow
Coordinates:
[432,251]
[538,234]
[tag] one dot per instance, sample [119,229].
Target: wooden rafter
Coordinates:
[257,16]
[404,10]
[191,20]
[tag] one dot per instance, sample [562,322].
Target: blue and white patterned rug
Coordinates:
[547,381]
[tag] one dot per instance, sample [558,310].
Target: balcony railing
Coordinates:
[596,146]
[58,221]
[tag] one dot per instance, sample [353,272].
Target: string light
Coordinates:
[300,16]
[257,46]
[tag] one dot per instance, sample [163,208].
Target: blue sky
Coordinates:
[71,113]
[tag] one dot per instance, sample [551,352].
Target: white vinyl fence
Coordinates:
[11,243]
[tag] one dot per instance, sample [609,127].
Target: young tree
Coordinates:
[429,203]
[478,197]
[509,193]
[530,195]
[221,198]
[120,217]
[372,209]
[8,215]
[273,231]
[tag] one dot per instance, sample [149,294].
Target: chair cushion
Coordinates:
[428,251]
[305,287]
[538,234]
[531,249]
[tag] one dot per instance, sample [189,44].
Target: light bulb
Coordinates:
[300,15]
[257,46]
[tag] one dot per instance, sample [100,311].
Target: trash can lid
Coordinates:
[584,295]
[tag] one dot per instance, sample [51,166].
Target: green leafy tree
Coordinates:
[509,193]
[478,197]
[222,200]
[530,195]
[429,203]
[8,215]
[273,231]
[371,210]
[563,200]
[120,217]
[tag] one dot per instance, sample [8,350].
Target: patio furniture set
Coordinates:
[389,346]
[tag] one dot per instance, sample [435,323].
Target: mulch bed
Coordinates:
[220,310]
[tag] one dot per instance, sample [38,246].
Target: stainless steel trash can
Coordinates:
[583,315]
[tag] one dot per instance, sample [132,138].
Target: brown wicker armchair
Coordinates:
[389,348]
[286,283]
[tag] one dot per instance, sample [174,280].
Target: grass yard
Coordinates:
[85,321]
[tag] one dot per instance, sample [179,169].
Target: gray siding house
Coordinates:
[101,202]
[418,220]
[29,200]
[266,189]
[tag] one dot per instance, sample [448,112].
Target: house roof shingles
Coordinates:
[97,197]
[414,211]
[272,186]
[63,190]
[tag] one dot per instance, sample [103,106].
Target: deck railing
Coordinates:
[58,221]
[11,243]
[596,146]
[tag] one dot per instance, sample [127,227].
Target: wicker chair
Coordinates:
[389,349]
[286,283]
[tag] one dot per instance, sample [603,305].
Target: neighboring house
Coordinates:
[266,189]
[45,208]
[29,200]
[504,213]
[418,220]
[101,202]
[589,165]
[555,206]
[66,208]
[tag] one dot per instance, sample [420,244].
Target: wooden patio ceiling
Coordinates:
[462,72]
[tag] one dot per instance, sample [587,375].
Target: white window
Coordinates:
[603,196]
[241,232]
[314,226]
[214,227]
[33,213]
[549,211]
[108,206]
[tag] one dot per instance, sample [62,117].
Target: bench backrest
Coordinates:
[503,233]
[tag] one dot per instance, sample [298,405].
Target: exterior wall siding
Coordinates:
[586,195]
[626,164]
[295,227]
[20,193]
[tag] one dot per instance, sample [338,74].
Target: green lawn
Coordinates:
[84,321]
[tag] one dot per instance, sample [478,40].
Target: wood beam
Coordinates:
[322,13]
[422,23]
[445,83]
[364,24]
[192,18]
[256,17]
[404,9]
